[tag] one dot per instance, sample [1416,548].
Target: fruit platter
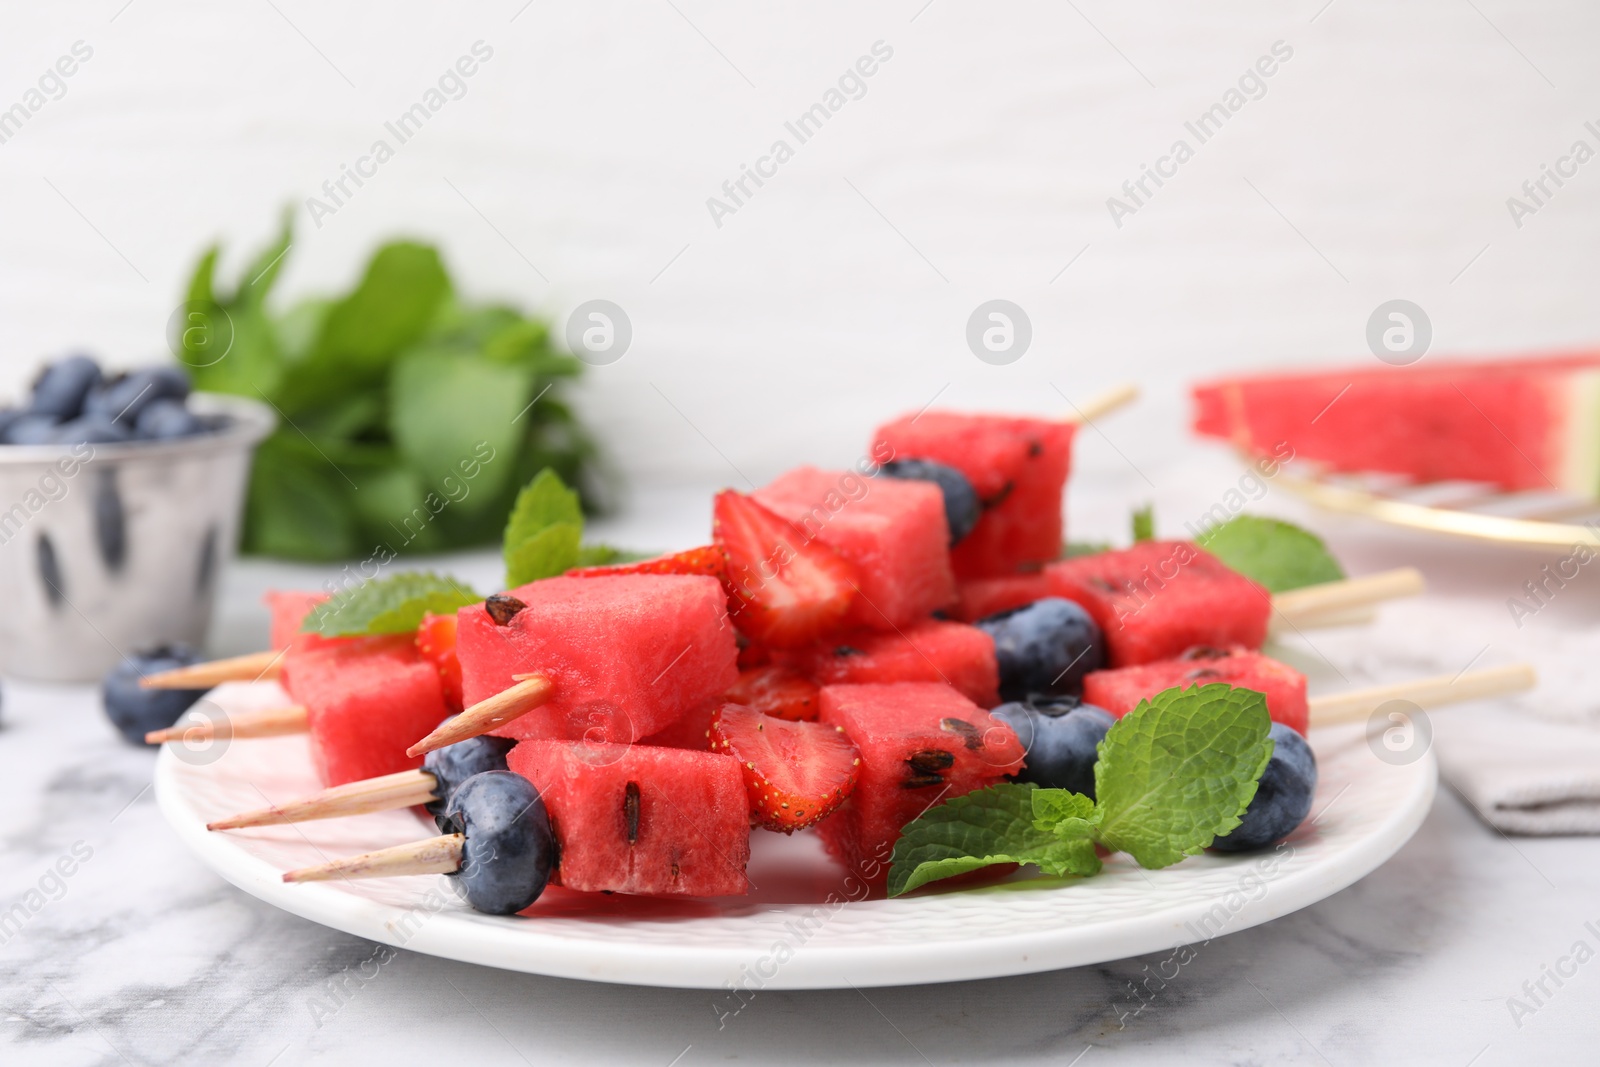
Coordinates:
[887,726]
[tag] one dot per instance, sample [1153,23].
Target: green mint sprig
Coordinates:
[1278,555]
[392,605]
[1173,774]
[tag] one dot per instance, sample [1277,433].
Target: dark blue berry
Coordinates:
[510,851]
[32,430]
[92,429]
[454,764]
[135,711]
[1044,648]
[167,420]
[1283,794]
[124,398]
[1061,737]
[62,387]
[961,506]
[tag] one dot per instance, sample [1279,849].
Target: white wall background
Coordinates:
[976,166]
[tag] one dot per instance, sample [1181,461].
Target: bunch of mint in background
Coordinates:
[383,393]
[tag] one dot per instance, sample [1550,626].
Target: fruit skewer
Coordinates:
[415,787]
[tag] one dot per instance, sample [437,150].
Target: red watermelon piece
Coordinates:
[367,699]
[1158,598]
[954,653]
[1119,691]
[894,532]
[920,743]
[641,819]
[289,608]
[1017,466]
[982,597]
[629,654]
[692,730]
[1515,423]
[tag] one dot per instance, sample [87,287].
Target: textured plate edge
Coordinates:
[896,964]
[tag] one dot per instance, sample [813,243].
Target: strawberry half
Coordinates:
[776,691]
[436,639]
[707,559]
[795,772]
[786,591]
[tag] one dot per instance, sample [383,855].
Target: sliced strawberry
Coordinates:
[795,772]
[777,691]
[786,591]
[707,559]
[436,639]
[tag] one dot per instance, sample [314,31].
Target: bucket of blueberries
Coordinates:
[119,503]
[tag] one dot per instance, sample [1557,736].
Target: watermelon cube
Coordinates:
[893,532]
[691,730]
[366,699]
[933,651]
[1158,598]
[629,655]
[641,819]
[920,743]
[289,608]
[982,597]
[1120,690]
[1018,468]
[1516,423]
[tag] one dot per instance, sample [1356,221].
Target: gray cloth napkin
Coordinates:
[1523,774]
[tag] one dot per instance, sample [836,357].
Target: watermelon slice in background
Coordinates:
[894,532]
[982,597]
[642,819]
[1019,469]
[933,651]
[1156,599]
[1517,424]
[367,699]
[920,743]
[628,654]
[1119,691]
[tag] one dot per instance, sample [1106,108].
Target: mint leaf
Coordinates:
[1063,812]
[599,555]
[1144,524]
[1277,554]
[1074,549]
[393,605]
[544,531]
[1180,769]
[990,826]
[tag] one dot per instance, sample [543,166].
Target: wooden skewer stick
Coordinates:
[435,855]
[248,668]
[1424,692]
[1331,598]
[400,790]
[1105,403]
[529,692]
[269,722]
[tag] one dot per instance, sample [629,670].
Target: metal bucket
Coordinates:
[106,550]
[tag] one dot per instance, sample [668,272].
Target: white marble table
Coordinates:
[143,956]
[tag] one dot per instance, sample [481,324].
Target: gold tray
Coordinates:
[1472,510]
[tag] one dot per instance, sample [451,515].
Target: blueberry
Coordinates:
[8,418]
[32,429]
[1061,737]
[509,852]
[961,506]
[62,387]
[135,711]
[454,764]
[1044,648]
[1283,795]
[91,429]
[125,397]
[167,420]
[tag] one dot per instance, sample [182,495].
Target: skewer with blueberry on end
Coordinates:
[136,710]
[443,771]
[498,846]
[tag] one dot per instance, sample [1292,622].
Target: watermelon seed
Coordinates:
[1203,672]
[931,761]
[969,733]
[848,650]
[502,608]
[921,780]
[1206,652]
[630,810]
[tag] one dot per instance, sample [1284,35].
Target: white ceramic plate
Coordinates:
[802,927]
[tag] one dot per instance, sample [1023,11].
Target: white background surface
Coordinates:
[977,166]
